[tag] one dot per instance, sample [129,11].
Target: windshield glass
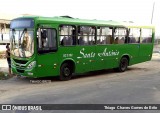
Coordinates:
[22,42]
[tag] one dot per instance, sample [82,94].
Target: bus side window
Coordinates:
[126,38]
[122,40]
[146,36]
[134,35]
[67,35]
[44,38]
[86,35]
[104,35]
[67,40]
[120,34]
[116,40]
[108,39]
[80,41]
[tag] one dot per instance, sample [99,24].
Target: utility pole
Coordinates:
[152,12]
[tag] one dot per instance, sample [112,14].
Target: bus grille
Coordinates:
[20,71]
[20,61]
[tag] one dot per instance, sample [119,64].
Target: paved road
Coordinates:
[138,85]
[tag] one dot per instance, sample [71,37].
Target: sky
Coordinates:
[121,10]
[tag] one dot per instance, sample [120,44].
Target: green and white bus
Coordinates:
[61,46]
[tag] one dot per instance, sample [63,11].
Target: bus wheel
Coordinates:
[122,65]
[65,72]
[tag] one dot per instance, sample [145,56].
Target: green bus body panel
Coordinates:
[47,65]
[145,52]
[85,58]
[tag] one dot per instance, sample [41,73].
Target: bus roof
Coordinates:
[70,20]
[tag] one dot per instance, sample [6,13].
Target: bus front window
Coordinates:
[22,42]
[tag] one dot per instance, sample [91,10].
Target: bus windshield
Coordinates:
[22,42]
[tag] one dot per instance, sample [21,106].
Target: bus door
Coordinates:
[146,44]
[47,59]
[133,46]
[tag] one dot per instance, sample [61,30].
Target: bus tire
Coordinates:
[122,65]
[65,72]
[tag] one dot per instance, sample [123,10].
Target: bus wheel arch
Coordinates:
[66,70]
[123,63]
[127,56]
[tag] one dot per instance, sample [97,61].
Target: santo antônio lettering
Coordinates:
[108,53]
[92,54]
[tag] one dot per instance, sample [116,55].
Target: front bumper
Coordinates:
[21,69]
[24,72]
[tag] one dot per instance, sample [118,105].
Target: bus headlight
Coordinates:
[31,65]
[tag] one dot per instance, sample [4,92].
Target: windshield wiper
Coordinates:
[25,30]
[20,45]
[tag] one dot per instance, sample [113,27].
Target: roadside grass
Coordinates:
[3,76]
